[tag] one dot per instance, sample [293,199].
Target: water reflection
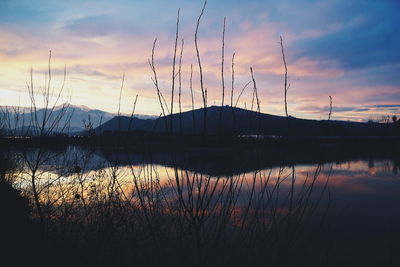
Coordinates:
[305,213]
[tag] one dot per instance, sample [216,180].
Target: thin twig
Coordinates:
[222,74]
[180,85]
[173,67]
[155,81]
[255,90]
[233,78]
[133,112]
[222,63]
[119,101]
[257,99]
[191,93]
[286,88]
[241,92]
[200,67]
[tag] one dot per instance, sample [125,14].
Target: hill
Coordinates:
[230,120]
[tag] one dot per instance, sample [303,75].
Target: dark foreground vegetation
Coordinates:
[110,207]
[110,218]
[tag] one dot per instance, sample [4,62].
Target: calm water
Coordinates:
[355,203]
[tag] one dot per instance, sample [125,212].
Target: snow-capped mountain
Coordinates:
[72,119]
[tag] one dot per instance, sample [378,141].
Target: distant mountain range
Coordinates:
[238,121]
[76,117]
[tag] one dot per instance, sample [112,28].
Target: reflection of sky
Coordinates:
[347,49]
[360,183]
[361,198]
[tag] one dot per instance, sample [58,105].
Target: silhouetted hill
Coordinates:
[237,121]
[124,124]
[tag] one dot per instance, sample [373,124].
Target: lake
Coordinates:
[211,205]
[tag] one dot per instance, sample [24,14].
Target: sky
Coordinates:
[347,49]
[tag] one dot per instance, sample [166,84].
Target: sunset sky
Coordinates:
[343,48]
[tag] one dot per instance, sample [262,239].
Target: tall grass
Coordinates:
[159,215]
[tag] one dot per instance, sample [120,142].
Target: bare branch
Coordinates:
[222,74]
[286,88]
[119,102]
[241,92]
[155,81]
[255,90]
[222,63]
[191,93]
[173,66]
[180,84]
[120,94]
[133,112]
[203,91]
[233,77]
[198,54]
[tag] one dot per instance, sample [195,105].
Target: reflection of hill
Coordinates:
[238,121]
[221,159]
[235,160]
[231,157]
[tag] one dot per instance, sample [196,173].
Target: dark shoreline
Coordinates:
[195,140]
[221,156]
